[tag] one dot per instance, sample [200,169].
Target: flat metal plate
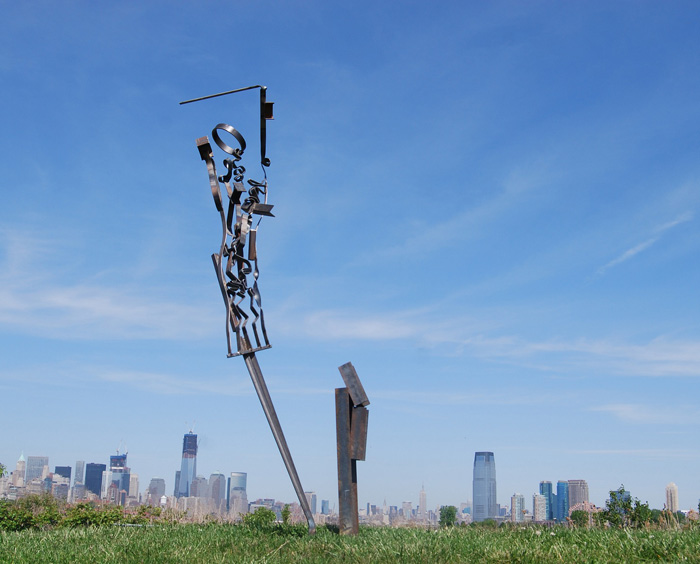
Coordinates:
[352,381]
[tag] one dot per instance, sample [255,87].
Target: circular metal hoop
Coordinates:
[223,146]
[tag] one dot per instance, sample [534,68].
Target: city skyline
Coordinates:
[567,495]
[490,209]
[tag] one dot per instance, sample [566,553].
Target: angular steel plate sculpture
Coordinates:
[351,418]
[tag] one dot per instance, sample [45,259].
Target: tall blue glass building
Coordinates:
[562,500]
[188,468]
[550,499]
[484,487]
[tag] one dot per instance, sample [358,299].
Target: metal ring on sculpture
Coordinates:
[223,146]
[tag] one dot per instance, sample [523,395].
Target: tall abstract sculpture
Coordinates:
[236,263]
[351,418]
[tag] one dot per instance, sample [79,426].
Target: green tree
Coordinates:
[286,514]
[618,508]
[2,470]
[623,511]
[448,515]
[640,514]
[579,518]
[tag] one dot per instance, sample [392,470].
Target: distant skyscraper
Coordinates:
[35,467]
[79,473]
[93,477]
[18,476]
[156,490]
[217,490]
[422,514]
[546,491]
[325,507]
[63,471]
[237,495]
[134,485]
[672,497]
[117,462]
[562,501]
[108,483]
[200,487]
[484,486]
[539,508]
[120,473]
[517,507]
[311,500]
[578,492]
[188,469]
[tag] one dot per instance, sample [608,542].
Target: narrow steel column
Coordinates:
[348,519]
[266,401]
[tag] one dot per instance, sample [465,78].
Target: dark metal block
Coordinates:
[352,381]
[266,110]
[204,148]
[252,249]
[358,433]
[262,209]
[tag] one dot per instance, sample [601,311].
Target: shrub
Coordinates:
[14,518]
[262,518]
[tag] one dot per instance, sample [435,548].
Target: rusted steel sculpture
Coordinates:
[237,273]
[351,417]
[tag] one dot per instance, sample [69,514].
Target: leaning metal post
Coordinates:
[264,395]
[237,273]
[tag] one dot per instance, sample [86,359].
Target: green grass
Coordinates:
[214,543]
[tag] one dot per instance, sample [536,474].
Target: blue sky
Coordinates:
[491,209]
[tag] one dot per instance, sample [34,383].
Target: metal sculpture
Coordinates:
[351,418]
[237,274]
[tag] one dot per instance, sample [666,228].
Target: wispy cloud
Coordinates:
[460,399]
[669,453]
[651,415]
[165,384]
[656,358]
[339,324]
[458,335]
[40,301]
[472,221]
[628,254]
[85,375]
[632,252]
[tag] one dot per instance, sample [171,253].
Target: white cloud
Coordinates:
[647,414]
[658,357]
[166,384]
[35,298]
[667,453]
[629,253]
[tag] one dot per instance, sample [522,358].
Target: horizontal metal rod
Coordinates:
[221,94]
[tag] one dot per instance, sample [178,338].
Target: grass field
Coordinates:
[228,543]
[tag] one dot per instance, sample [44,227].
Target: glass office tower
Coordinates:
[188,469]
[562,500]
[237,495]
[550,499]
[93,477]
[484,487]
